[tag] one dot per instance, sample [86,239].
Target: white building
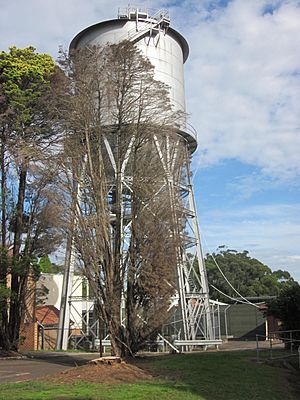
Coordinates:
[81,309]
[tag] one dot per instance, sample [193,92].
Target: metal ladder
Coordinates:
[153,24]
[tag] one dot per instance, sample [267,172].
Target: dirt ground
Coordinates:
[116,373]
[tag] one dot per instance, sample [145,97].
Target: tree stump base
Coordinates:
[109,360]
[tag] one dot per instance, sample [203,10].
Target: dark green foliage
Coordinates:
[4,292]
[24,264]
[287,307]
[27,208]
[249,276]
[24,77]
[4,265]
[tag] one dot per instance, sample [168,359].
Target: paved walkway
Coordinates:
[233,345]
[42,364]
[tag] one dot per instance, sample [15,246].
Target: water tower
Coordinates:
[167,50]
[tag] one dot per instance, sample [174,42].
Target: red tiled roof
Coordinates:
[47,315]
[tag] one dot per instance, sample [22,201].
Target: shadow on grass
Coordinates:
[221,376]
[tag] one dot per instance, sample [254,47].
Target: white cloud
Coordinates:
[270,232]
[295,258]
[243,84]
[245,186]
[49,23]
[281,211]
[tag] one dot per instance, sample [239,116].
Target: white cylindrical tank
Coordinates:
[166,49]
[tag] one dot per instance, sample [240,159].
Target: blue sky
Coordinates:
[243,97]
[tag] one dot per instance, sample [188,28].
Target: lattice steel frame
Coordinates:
[192,300]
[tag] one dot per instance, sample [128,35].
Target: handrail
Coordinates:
[158,14]
[280,341]
[142,28]
[290,330]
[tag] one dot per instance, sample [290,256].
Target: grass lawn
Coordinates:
[207,376]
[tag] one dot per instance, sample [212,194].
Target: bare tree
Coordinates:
[115,182]
[151,258]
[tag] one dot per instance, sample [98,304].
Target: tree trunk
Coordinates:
[4,342]
[16,306]
[114,283]
[116,350]
[3,192]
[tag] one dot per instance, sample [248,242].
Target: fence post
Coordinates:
[291,342]
[257,350]
[271,348]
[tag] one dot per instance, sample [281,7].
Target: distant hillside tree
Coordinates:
[249,276]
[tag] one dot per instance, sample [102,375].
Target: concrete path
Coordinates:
[233,345]
[41,365]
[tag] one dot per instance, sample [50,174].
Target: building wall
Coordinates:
[54,284]
[28,336]
[47,338]
[28,329]
[245,322]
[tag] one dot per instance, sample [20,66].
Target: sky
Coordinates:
[242,82]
